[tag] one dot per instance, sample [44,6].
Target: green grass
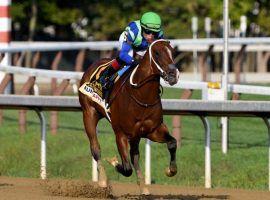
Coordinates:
[245,165]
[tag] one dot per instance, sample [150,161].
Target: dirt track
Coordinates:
[29,189]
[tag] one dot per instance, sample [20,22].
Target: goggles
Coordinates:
[148,32]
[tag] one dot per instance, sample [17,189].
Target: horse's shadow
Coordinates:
[179,196]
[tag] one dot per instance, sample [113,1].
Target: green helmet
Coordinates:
[151,21]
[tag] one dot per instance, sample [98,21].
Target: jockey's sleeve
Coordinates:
[123,55]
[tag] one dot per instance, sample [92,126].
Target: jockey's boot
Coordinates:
[106,97]
[109,76]
[107,80]
[109,71]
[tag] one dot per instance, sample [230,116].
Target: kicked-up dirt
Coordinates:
[12,188]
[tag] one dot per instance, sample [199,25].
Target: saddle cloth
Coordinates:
[93,88]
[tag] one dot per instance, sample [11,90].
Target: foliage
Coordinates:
[107,22]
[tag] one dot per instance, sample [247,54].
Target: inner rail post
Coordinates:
[147,162]
[42,119]
[207,151]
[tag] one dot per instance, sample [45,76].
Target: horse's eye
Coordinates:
[157,54]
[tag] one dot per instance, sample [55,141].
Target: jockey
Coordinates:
[136,38]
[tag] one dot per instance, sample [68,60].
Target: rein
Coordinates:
[153,77]
[140,84]
[118,89]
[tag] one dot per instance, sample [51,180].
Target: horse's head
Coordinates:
[161,57]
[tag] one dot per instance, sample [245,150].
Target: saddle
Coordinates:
[93,88]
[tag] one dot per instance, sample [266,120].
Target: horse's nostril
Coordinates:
[171,66]
[172,72]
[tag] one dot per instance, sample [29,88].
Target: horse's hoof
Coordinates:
[145,191]
[113,161]
[170,172]
[103,184]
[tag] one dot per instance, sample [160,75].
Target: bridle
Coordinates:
[163,74]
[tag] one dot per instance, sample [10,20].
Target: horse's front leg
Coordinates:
[122,144]
[90,120]
[161,135]
[135,157]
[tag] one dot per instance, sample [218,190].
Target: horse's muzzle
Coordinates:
[173,74]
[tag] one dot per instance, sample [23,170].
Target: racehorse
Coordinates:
[135,112]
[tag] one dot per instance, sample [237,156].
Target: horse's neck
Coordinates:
[145,76]
[144,70]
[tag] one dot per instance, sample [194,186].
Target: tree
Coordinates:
[55,13]
[106,19]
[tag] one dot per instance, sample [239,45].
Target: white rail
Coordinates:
[236,88]
[196,85]
[176,107]
[253,44]
[57,46]
[41,72]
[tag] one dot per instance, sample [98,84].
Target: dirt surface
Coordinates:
[28,189]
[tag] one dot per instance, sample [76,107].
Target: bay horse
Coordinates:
[136,112]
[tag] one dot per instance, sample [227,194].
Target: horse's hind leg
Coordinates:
[90,120]
[161,135]
[135,157]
